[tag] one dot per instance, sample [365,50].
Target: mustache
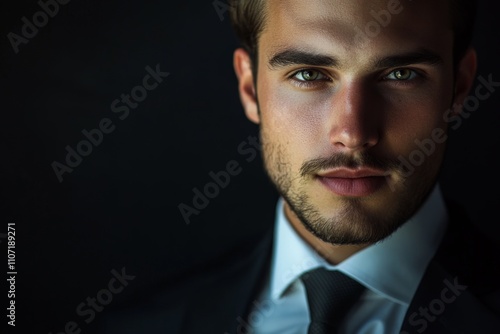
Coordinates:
[366,160]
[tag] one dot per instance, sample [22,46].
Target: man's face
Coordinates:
[345,89]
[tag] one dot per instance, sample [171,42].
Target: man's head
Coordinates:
[347,90]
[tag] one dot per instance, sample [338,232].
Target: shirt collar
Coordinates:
[392,267]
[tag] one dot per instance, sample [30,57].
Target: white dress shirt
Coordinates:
[390,270]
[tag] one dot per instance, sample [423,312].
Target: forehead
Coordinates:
[356,28]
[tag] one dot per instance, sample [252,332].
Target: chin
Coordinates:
[353,220]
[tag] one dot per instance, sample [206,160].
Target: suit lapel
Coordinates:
[443,304]
[446,300]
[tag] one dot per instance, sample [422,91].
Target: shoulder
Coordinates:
[469,255]
[468,251]
[459,290]
[209,298]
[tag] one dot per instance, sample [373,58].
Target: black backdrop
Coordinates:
[118,208]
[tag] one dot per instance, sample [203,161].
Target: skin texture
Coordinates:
[352,113]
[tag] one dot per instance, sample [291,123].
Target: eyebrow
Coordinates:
[297,57]
[291,57]
[422,56]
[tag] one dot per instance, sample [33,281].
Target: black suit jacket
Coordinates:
[459,292]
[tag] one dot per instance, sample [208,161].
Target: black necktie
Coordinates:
[330,295]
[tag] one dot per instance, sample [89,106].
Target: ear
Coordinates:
[243,68]
[466,72]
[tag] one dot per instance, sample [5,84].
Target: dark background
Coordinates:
[119,207]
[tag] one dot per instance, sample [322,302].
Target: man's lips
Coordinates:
[352,173]
[352,182]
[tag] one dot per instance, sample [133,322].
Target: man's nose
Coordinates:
[355,117]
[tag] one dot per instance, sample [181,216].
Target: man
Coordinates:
[353,99]
[346,93]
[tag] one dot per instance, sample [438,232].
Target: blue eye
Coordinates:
[402,74]
[309,75]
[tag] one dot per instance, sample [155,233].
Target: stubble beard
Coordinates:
[353,222]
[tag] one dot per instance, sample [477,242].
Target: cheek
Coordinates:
[289,129]
[418,113]
[413,121]
[297,118]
